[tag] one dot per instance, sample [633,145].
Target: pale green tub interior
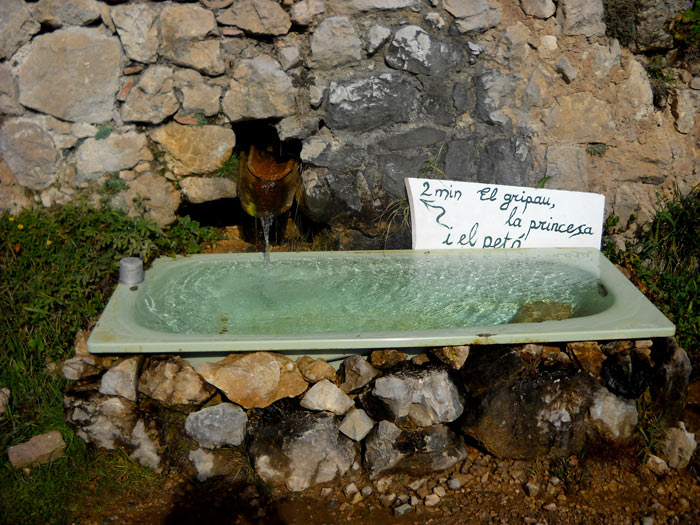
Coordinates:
[329,304]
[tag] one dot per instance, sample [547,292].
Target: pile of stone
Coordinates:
[302,423]
[365,91]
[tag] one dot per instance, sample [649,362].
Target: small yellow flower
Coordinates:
[12,219]
[48,242]
[20,226]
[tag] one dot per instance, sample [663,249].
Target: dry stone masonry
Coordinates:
[368,91]
[303,424]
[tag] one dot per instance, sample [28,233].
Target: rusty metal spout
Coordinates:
[266,184]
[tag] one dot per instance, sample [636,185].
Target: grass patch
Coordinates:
[664,263]
[229,168]
[596,149]
[58,267]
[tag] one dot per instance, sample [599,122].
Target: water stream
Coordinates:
[266,223]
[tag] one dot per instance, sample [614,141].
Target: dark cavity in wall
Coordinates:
[228,212]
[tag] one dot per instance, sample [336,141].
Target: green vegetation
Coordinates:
[686,31]
[572,471]
[57,270]
[542,182]
[397,213]
[662,80]
[621,20]
[103,132]
[651,428]
[431,168]
[114,184]
[229,168]
[596,149]
[664,263]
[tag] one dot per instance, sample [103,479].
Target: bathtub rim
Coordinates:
[631,316]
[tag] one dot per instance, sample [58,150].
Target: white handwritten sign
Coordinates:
[452,214]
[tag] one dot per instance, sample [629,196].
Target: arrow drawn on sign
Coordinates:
[429,204]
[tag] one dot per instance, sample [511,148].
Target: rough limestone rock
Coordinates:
[385,359]
[13,197]
[489,367]
[72,74]
[581,17]
[57,13]
[194,149]
[413,50]
[4,400]
[217,426]
[580,117]
[149,194]
[652,19]
[39,449]
[80,367]
[363,104]
[473,15]
[299,449]
[203,189]
[356,424]
[670,378]
[137,27]
[17,26]
[121,379]
[250,78]
[314,370]
[389,449]
[683,106]
[324,395]
[211,463]
[105,421]
[357,372]
[335,43]
[538,8]
[9,92]
[533,416]
[153,99]
[289,57]
[567,167]
[679,446]
[638,101]
[494,91]
[145,441]
[422,397]
[254,380]
[376,37]
[257,17]
[183,35]
[197,95]
[173,382]
[377,5]
[97,157]
[657,465]
[588,354]
[302,13]
[566,69]
[614,417]
[626,374]
[452,356]
[29,152]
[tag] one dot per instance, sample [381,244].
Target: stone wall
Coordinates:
[147,95]
[303,424]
